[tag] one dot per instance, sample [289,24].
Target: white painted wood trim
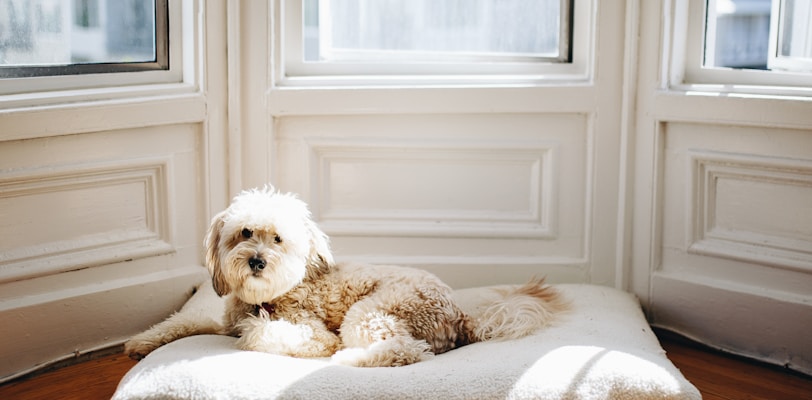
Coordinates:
[744,292]
[142,275]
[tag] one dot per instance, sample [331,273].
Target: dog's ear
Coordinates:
[213,262]
[320,254]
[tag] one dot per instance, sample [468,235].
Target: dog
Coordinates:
[285,295]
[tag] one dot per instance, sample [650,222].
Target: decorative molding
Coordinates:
[496,216]
[470,261]
[656,215]
[98,242]
[709,236]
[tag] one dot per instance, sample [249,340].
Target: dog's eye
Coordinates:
[277,239]
[247,233]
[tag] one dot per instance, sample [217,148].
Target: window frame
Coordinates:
[775,61]
[687,73]
[290,71]
[92,79]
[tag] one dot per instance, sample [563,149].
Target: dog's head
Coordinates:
[263,245]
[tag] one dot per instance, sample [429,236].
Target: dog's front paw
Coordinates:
[139,346]
[275,337]
[392,352]
[351,356]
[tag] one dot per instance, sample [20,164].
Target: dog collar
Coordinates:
[270,308]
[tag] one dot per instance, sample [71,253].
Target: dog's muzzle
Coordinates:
[256,264]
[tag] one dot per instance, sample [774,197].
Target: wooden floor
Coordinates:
[723,376]
[92,379]
[718,376]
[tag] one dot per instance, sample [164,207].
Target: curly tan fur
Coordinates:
[286,295]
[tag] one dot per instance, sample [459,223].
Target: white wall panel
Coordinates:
[747,200]
[445,190]
[406,189]
[105,195]
[733,238]
[80,215]
[106,215]
[753,208]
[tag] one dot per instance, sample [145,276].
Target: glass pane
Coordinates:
[429,30]
[738,33]
[64,32]
[795,34]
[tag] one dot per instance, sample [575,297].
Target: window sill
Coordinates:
[762,92]
[424,98]
[432,81]
[68,112]
[60,97]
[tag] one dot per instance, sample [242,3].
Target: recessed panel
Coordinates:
[742,205]
[56,220]
[736,203]
[388,186]
[66,213]
[753,208]
[443,190]
[486,188]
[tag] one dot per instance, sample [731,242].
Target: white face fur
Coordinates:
[262,245]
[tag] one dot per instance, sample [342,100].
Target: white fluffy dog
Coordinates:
[286,296]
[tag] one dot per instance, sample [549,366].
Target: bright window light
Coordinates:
[64,37]
[436,30]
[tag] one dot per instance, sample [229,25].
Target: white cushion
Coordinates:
[602,349]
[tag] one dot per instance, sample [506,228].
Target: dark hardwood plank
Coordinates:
[723,376]
[93,379]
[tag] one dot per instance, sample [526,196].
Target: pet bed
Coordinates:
[602,348]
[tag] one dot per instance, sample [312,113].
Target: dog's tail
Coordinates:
[519,311]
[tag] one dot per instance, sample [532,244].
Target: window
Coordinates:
[792,32]
[434,37]
[55,37]
[748,42]
[430,30]
[58,38]
[737,34]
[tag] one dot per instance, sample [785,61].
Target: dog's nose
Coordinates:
[256,263]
